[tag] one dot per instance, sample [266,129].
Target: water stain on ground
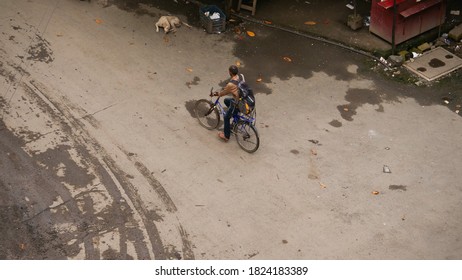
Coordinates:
[436,63]
[397,187]
[295,152]
[194,82]
[40,51]
[335,123]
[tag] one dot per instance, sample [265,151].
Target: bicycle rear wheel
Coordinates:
[247,137]
[207,114]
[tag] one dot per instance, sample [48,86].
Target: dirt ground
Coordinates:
[101,157]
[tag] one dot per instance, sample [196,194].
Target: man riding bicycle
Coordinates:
[231,102]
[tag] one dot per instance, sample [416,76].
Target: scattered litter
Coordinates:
[215,15]
[22,246]
[395,60]
[322,185]
[251,34]
[386,169]
[267,22]
[189,70]
[387,148]
[455,12]
[238,63]
[259,80]
[351,7]
[345,109]
[367,21]
[310,22]
[375,192]
[425,46]
[316,142]
[288,59]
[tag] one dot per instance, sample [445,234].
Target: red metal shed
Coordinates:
[413,17]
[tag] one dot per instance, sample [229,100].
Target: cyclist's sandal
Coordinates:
[223,137]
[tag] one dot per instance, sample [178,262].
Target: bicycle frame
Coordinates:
[237,117]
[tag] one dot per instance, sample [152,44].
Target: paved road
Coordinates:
[101,157]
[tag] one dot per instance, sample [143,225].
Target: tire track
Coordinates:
[121,179]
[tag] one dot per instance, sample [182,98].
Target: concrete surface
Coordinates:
[434,64]
[102,158]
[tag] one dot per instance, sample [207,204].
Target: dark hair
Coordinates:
[233,69]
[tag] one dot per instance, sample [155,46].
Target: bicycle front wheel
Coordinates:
[247,137]
[207,114]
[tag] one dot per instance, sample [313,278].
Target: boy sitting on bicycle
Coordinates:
[230,102]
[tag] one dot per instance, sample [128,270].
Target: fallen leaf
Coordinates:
[322,185]
[98,21]
[310,22]
[251,34]
[267,22]
[313,152]
[375,192]
[189,70]
[288,59]
[345,109]
[238,63]
[22,246]
[59,35]
[259,80]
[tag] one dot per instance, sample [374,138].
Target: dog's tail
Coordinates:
[187,24]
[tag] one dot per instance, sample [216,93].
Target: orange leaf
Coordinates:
[288,59]
[189,69]
[267,22]
[259,80]
[310,22]
[375,192]
[251,34]
[238,63]
[98,21]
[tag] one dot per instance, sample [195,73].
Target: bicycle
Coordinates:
[243,126]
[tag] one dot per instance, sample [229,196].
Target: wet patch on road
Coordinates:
[347,111]
[40,51]
[335,123]
[397,187]
[194,82]
[358,98]
[295,152]
[269,54]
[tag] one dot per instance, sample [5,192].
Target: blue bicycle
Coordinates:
[243,126]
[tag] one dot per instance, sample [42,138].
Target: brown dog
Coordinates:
[169,23]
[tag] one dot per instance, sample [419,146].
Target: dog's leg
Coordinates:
[157,28]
